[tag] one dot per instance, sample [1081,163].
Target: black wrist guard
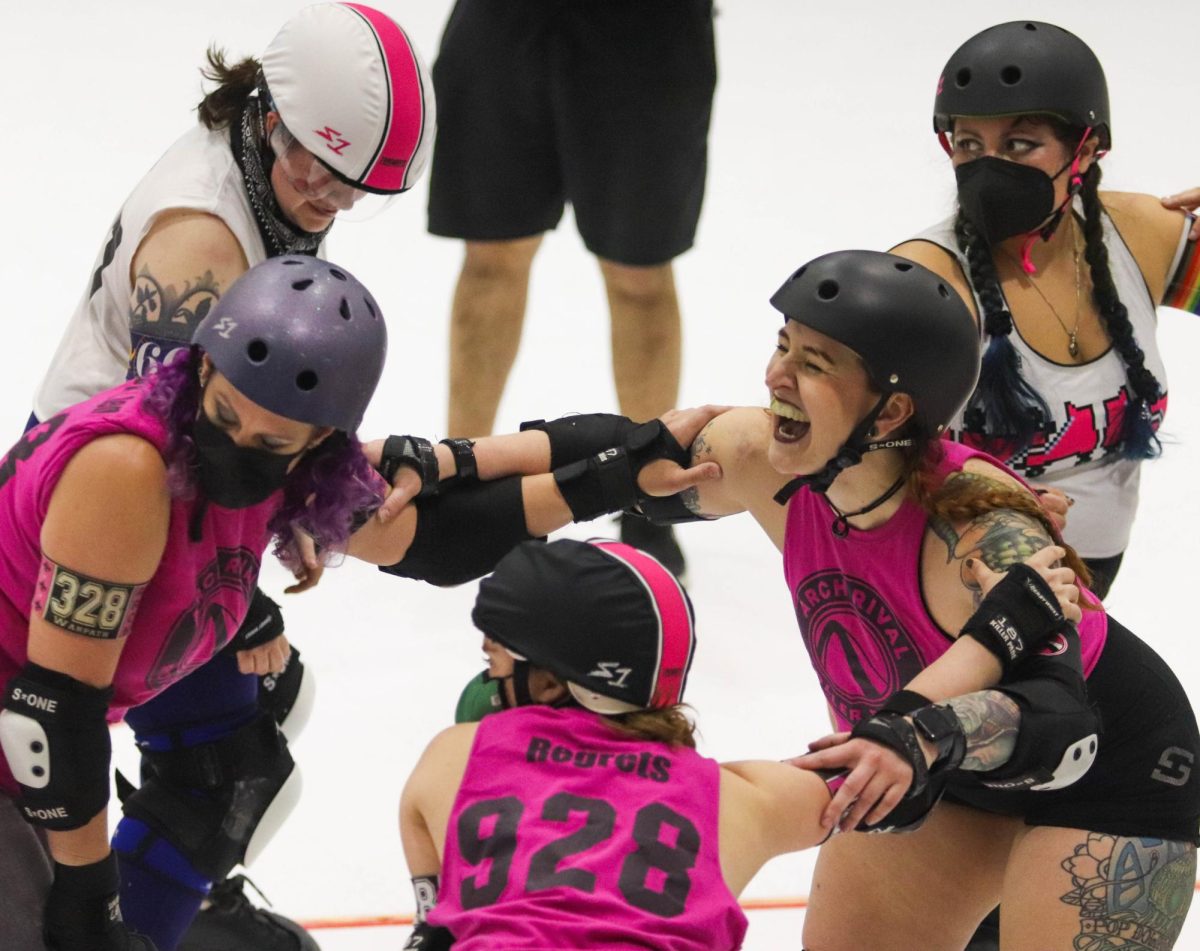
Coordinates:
[54,732]
[939,725]
[574,438]
[82,912]
[262,624]
[1018,615]
[415,453]
[601,483]
[661,444]
[465,469]
[896,733]
[904,702]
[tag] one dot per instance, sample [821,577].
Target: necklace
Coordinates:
[1073,333]
[841,524]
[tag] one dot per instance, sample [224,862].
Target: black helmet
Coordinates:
[911,329]
[604,617]
[1021,68]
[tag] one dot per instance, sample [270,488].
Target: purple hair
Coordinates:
[325,495]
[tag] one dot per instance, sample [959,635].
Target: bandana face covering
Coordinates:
[233,476]
[248,139]
[1004,199]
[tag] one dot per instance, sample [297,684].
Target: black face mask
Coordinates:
[1002,198]
[233,476]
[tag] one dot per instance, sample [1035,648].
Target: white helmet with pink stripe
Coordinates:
[352,89]
[606,618]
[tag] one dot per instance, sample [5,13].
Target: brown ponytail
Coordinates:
[671,725]
[223,105]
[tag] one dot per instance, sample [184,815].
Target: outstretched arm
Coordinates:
[460,534]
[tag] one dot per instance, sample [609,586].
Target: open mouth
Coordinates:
[791,425]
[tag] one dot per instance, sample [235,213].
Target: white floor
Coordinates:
[821,140]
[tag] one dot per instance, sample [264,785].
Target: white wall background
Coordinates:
[821,140]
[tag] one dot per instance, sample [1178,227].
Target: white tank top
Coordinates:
[1086,404]
[97,350]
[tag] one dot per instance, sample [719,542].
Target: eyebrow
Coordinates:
[818,352]
[227,411]
[810,349]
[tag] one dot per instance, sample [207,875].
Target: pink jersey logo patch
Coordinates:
[861,651]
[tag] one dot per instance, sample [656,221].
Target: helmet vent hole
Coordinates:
[944,291]
[306,380]
[1031,27]
[344,309]
[338,274]
[903,267]
[962,78]
[370,307]
[257,351]
[1010,75]
[292,261]
[798,274]
[302,284]
[828,290]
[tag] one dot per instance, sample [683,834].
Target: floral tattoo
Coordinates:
[1133,893]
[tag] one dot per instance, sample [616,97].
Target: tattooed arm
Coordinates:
[955,579]
[181,268]
[990,721]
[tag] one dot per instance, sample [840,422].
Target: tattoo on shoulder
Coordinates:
[165,311]
[1002,538]
[701,450]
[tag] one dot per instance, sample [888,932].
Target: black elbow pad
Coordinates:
[1059,735]
[463,532]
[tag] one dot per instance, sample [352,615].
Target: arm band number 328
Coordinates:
[83,605]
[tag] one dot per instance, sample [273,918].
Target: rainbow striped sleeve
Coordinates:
[1184,290]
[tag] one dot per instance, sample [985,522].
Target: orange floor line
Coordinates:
[403,921]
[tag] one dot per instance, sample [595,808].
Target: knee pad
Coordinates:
[218,802]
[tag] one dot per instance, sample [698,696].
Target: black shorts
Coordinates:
[1146,778]
[602,103]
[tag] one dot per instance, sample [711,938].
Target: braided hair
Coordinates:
[1137,437]
[1005,405]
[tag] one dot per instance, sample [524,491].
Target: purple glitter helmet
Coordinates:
[301,337]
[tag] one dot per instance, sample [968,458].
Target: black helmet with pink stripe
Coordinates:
[604,617]
[351,88]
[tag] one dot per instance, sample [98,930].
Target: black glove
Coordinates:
[1018,615]
[83,912]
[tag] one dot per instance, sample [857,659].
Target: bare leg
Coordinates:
[485,329]
[646,337]
[645,346]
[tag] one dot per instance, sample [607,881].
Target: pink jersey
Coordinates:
[859,603]
[198,596]
[567,835]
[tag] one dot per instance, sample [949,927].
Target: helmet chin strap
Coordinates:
[1046,231]
[522,670]
[850,454]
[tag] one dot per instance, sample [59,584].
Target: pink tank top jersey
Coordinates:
[567,835]
[859,603]
[196,600]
